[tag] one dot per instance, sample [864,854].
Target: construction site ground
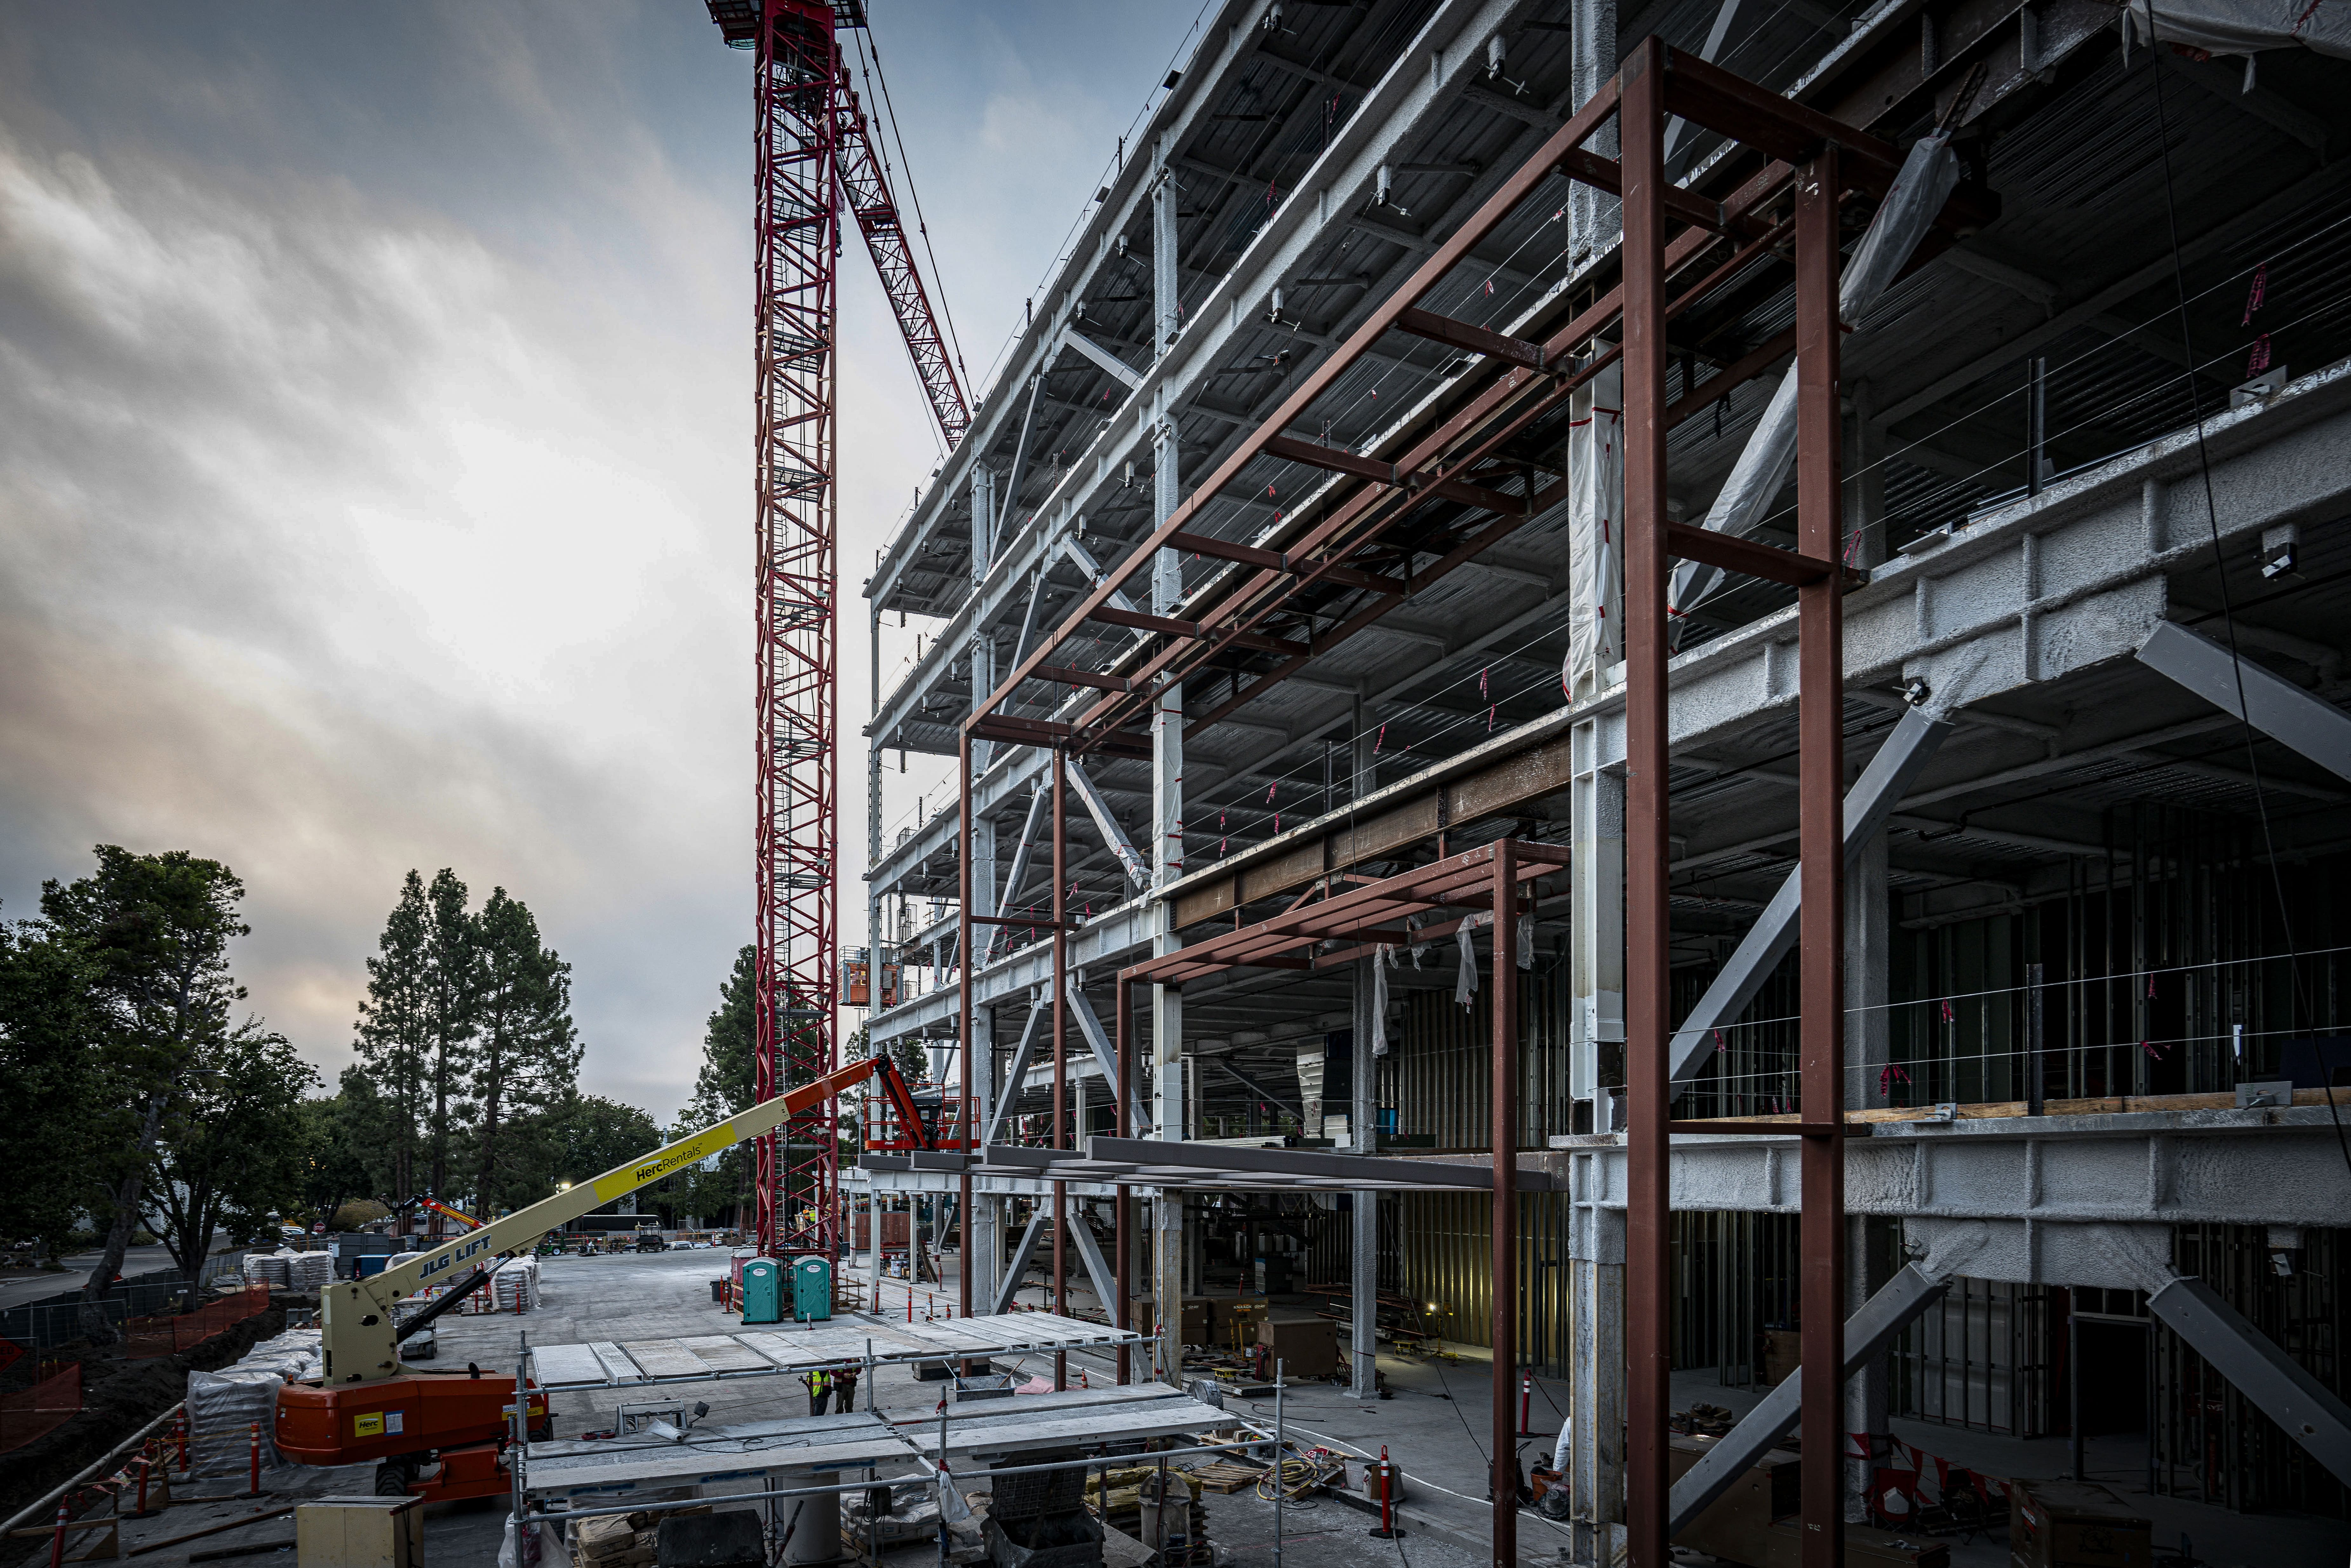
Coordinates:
[1435,1425]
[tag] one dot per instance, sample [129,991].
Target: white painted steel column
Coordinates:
[1167,1249]
[1596,1458]
[1868,1038]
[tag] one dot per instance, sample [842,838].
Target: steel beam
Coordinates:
[1105,824]
[1017,1269]
[1254,1087]
[1019,866]
[1648,1350]
[1867,1333]
[1097,1269]
[2245,690]
[1091,1027]
[1872,798]
[2309,1412]
[1012,1080]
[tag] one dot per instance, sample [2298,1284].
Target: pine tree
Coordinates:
[525,1056]
[724,1086]
[394,1039]
[452,1002]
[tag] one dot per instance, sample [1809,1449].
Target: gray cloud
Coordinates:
[374,449]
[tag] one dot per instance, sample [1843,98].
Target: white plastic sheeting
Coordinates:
[1927,177]
[2242,26]
[225,1407]
[1595,507]
[290,1270]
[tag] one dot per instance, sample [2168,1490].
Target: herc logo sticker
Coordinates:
[368,1426]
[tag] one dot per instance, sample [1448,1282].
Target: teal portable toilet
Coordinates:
[763,1292]
[812,1289]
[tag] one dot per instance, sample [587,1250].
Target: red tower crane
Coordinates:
[815,158]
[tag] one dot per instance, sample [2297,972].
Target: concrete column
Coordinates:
[1362,1125]
[1595,1461]
[1869,1042]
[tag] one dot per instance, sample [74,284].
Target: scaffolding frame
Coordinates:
[1792,158]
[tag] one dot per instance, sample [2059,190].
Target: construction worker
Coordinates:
[844,1383]
[820,1387]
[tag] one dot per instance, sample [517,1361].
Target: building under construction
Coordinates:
[1656,690]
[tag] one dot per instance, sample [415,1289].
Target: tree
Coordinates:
[724,1086]
[155,930]
[234,1147]
[453,995]
[348,1137]
[525,1054]
[580,1136]
[392,1037]
[49,1035]
[417,1027]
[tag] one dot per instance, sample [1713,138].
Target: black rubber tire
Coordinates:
[393,1477]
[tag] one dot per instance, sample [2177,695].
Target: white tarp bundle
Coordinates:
[290,1270]
[1925,184]
[225,1407]
[2242,26]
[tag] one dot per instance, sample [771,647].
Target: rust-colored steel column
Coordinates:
[1061,1067]
[1820,811]
[1504,1130]
[1121,1314]
[962,1015]
[1648,1397]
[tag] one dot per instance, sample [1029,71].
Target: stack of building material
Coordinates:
[514,1288]
[622,1540]
[1183,1525]
[225,1407]
[290,1270]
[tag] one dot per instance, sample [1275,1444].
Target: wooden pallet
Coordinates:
[1227,1477]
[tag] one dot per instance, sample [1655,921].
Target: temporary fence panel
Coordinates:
[27,1414]
[145,1338]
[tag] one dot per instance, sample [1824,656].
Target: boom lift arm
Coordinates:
[359,1339]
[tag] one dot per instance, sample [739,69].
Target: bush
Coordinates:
[359,1213]
[142,1238]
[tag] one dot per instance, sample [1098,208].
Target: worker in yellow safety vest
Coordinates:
[820,1387]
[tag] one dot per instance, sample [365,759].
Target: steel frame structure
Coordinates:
[1798,166]
[798,941]
[814,158]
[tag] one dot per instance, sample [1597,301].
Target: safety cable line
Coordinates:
[2219,566]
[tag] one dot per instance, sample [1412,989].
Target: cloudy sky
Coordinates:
[375,452]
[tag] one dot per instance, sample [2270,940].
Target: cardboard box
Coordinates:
[360,1532]
[1200,1321]
[1306,1347]
[2070,1524]
[1782,1350]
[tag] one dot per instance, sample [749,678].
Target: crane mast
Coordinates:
[815,158]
